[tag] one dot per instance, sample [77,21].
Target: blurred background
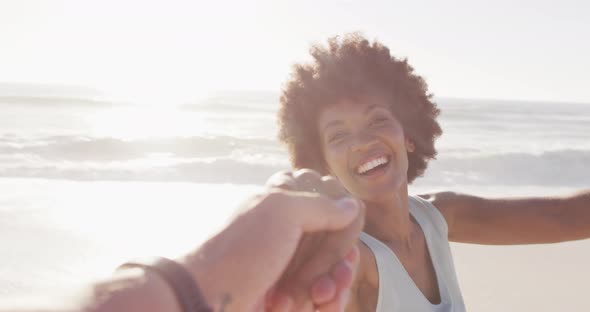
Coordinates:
[136,127]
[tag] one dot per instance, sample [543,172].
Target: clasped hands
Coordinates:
[291,248]
[321,271]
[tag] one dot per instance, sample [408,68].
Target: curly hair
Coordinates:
[351,67]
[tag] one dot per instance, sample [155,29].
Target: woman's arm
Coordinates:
[507,221]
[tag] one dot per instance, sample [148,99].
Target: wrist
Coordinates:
[131,289]
[206,268]
[224,269]
[157,287]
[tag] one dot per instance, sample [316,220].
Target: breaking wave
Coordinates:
[227,159]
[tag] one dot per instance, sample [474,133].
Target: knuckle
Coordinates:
[308,180]
[280,179]
[306,173]
[287,185]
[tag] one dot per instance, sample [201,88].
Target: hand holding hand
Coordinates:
[262,250]
[317,270]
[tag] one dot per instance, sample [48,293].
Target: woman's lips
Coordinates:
[372,165]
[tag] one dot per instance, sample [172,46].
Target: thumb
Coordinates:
[313,212]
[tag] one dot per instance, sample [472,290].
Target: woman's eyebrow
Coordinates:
[333,123]
[373,107]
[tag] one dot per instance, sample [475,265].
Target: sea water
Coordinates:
[86,183]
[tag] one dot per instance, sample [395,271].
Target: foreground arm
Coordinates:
[508,221]
[237,267]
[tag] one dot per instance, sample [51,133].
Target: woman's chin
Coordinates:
[386,188]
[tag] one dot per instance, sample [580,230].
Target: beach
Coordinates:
[86,185]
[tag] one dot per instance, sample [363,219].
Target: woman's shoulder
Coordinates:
[434,207]
[440,200]
[447,203]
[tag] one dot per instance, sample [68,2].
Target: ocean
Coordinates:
[87,182]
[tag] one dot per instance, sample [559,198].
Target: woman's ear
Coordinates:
[410,146]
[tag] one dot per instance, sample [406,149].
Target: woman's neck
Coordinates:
[389,219]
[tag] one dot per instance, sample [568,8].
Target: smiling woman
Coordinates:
[363,116]
[370,71]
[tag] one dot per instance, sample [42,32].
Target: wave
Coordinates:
[217,171]
[55,101]
[50,95]
[82,148]
[228,159]
[237,101]
[569,167]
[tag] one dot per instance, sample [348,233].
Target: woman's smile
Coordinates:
[373,166]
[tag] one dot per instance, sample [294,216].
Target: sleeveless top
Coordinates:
[397,290]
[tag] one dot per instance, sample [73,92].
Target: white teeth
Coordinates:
[371,164]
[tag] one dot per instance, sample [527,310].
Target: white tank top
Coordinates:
[397,290]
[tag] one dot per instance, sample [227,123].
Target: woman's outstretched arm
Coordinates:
[511,221]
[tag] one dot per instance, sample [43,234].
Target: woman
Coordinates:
[366,118]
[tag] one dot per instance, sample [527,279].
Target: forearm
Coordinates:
[510,221]
[575,216]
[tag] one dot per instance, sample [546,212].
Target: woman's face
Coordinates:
[364,146]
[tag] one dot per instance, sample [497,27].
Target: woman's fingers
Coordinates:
[333,255]
[324,289]
[344,272]
[308,180]
[337,305]
[283,180]
[278,302]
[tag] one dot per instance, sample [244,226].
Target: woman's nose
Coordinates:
[363,141]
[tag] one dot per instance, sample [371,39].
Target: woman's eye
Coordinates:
[336,137]
[378,120]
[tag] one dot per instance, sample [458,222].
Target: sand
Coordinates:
[538,278]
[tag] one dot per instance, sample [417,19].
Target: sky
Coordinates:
[170,51]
